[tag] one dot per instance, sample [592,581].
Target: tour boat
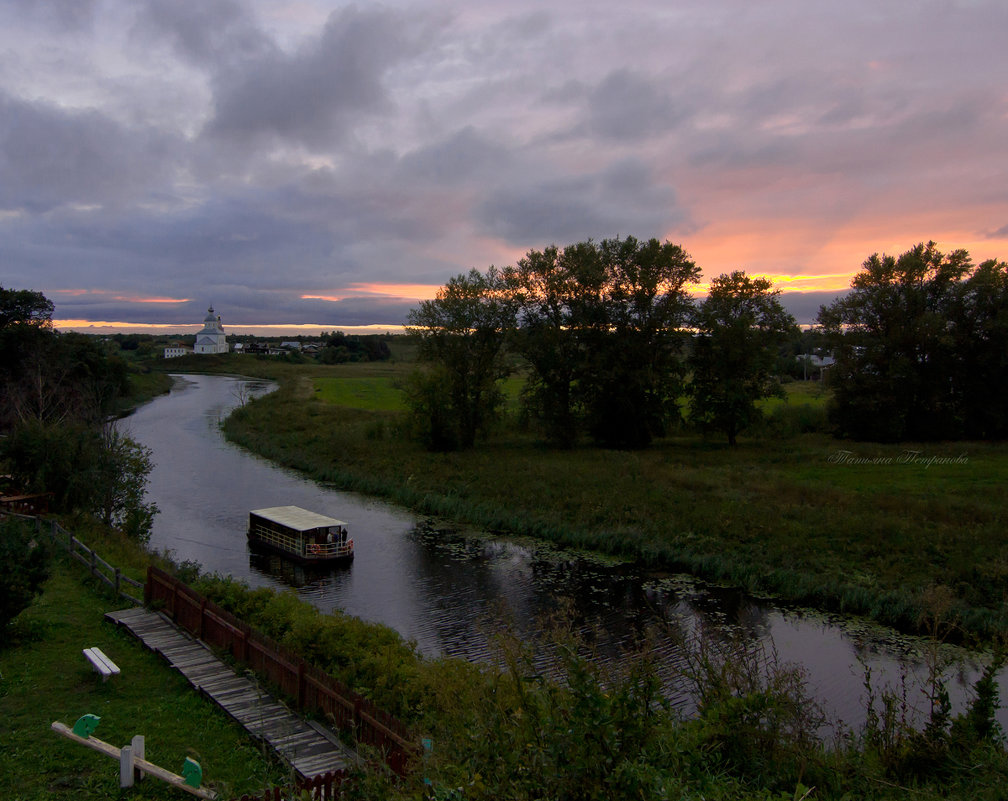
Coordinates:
[299,534]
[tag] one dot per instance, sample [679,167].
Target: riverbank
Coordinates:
[505,732]
[895,532]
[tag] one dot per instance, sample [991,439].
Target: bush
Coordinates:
[96,470]
[789,420]
[25,569]
[371,659]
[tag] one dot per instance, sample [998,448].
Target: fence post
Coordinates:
[301,685]
[202,617]
[126,766]
[139,752]
[118,575]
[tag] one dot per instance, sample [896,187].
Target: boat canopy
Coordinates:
[296,518]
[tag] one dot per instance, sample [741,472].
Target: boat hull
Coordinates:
[343,557]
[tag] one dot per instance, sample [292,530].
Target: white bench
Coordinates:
[101,663]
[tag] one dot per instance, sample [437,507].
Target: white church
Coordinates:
[211,339]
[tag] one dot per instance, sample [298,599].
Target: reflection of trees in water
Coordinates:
[545,597]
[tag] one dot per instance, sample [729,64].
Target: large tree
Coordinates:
[981,331]
[601,328]
[462,331]
[740,327]
[633,376]
[98,470]
[58,391]
[920,345]
[24,307]
[550,287]
[25,332]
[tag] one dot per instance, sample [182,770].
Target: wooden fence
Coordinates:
[325,787]
[99,568]
[312,689]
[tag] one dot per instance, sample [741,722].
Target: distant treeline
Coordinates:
[614,346]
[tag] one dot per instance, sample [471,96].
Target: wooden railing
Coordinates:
[98,567]
[312,689]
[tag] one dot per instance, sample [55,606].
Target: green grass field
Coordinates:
[855,527]
[44,678]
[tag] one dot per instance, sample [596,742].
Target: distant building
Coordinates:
[815,362]
[174,351]
[211,338]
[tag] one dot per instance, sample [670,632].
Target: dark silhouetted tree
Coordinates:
[740,327]
[462,332]
[549,287]
[920,345]
[601,326]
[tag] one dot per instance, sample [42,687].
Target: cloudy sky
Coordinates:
[319,162]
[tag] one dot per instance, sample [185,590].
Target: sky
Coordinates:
[332,164]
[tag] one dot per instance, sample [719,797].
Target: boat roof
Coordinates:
[297,518]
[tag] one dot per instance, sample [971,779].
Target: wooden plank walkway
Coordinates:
[308,747]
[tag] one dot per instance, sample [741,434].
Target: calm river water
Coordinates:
[442,587]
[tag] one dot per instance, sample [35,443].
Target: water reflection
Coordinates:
[439,585]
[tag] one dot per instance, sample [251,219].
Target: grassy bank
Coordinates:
[506,733]
[44,677]
[859,528]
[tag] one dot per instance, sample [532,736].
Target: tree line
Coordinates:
[607,334]
[60,392]
[614,347]
[921,347]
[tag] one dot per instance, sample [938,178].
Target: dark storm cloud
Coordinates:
[217,33]
[238,305]
[463,156]
[64,15]
[51,157]
[258,152]
[627,106]
[624,198]
[171,254]
[315,95]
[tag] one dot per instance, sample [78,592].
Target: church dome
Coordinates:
[210,318]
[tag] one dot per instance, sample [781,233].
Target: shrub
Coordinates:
[25,569]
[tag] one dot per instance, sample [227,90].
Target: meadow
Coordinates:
[790,513]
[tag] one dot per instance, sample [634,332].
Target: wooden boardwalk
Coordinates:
[308,747]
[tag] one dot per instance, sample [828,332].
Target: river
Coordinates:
[446,588]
